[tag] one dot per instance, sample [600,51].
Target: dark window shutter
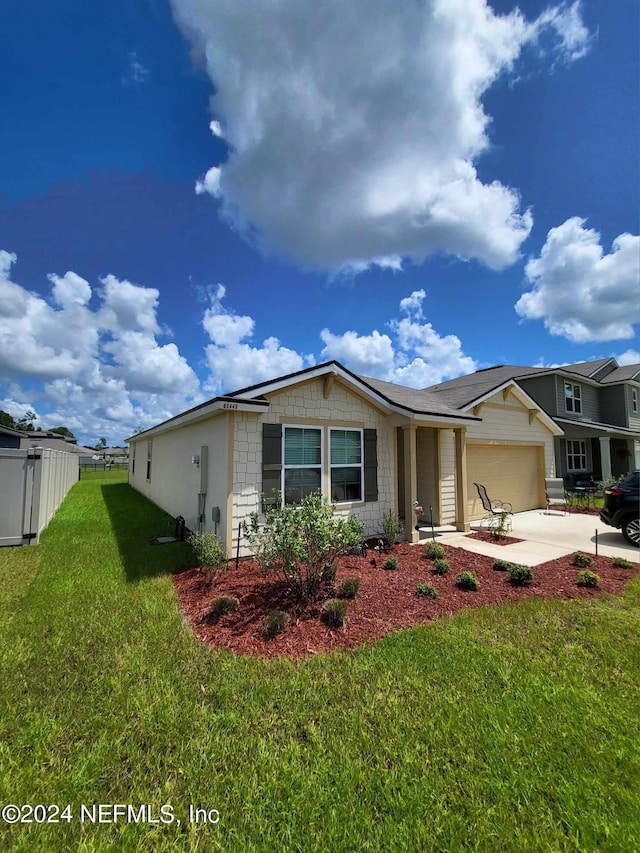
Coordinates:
[271,461]
[370,465]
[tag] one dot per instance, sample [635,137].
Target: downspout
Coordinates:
[202,494]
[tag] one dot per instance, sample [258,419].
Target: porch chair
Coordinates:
[555,492]
[493,508]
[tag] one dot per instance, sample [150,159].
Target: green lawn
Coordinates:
[509,729]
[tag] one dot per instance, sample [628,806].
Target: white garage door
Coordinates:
[510,472]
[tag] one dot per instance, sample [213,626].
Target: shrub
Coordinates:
[581,560]
[391,527]
[208,550]
[275,623]
[433,550]
[223,605]
[499,524]
[441,567]
[426,590]
[502,566]
[348,588]
[334,612]
[622,563]
[391,565]
[588,579]
[467,580]
[520,575]
[301,542]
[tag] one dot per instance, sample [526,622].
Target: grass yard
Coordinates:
[513,728]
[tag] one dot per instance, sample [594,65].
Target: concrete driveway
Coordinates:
[547,536]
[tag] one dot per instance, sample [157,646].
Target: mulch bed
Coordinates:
[487,536]
[387,600]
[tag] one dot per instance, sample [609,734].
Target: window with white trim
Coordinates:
[572,398]
[634,401]
[346,464]
[149,449]
[576,455]
[302,458]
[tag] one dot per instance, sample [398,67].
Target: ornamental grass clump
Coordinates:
[441,567]
[520,575]
[426,590]
[275,623]
[223,605]
[302,542]
[348,588]
[581,560]
[622,563]
[590,579]
[334,612]
[433,550]
[468,580]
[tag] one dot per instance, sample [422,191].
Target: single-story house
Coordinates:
[370,446]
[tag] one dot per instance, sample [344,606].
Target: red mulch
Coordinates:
[487,536]
[387,600]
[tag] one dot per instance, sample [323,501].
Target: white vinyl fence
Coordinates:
[33,484]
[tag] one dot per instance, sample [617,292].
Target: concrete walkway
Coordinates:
[546,536]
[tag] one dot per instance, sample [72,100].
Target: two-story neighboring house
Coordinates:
[596,403]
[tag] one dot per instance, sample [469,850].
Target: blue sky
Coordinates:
[199,195]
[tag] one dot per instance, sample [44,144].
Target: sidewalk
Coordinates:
[546,536]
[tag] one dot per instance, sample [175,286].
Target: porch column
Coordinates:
[409,434]
[636,454]
[605,457]
[462,506]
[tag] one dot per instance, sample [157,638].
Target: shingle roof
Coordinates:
[414,399]
[464,390]
[622,374]
[588,368]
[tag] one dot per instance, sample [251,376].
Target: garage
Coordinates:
[510,472]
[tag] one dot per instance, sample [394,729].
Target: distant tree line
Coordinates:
[26,424]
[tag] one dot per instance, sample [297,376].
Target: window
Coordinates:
[149,443]
[634,401]
[302,469]
[345,462]
[577,455]
[133,458]
[572,398]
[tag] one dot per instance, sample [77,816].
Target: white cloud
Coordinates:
[419,356]
[104,369]
[236,364]
[353,128]
[629,356]
[578,291]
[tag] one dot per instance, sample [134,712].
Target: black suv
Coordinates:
[622,507]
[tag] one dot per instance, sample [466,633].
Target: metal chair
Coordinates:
[555,493]
[492,507]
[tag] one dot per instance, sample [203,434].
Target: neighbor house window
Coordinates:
[577,455]
[634,401]
[149,443]
[345,462]
[572,398]
[302,469]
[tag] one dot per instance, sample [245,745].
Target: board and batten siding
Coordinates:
[176,481]
[305,404]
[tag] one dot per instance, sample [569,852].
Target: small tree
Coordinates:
[301,542]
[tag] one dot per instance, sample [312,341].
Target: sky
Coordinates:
[199,195]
